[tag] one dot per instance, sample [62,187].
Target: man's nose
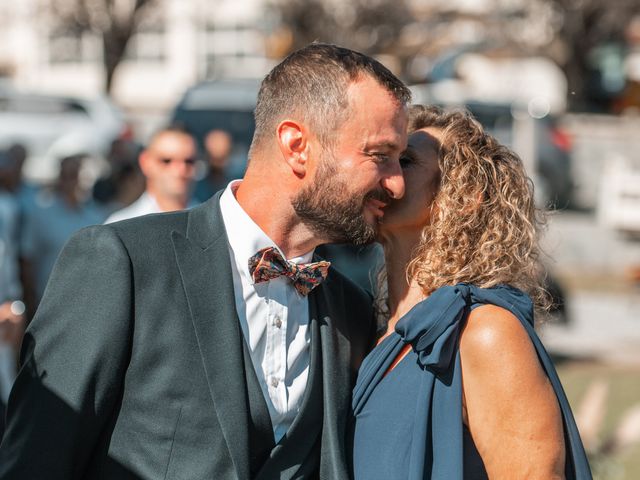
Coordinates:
[393,182]
[185,168]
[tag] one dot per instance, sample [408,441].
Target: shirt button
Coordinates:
[274,382]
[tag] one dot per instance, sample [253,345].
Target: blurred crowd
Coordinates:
[169,173]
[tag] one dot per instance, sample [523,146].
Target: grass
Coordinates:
[624,392]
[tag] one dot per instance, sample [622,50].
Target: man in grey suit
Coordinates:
[204,344]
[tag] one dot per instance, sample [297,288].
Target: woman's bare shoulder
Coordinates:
[503,382]
[495,345]
[492,331]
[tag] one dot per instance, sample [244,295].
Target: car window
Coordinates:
[39,106]
[496,119]
[200,122]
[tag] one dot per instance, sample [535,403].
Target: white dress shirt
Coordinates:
[274,317]
[144,205]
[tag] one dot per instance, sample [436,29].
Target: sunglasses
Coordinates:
[189,162]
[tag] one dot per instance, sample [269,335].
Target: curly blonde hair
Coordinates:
[484,226]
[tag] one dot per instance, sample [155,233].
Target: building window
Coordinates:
[230,48]
[147,46]
[149,41]
[68,46]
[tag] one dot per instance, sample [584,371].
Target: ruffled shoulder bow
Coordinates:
[433,326]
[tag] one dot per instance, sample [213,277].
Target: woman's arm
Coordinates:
[510,406]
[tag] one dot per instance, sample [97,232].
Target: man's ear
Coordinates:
[144,160]
[292,141]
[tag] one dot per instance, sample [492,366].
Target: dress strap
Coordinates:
[433,328]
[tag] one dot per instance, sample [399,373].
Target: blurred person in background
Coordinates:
[169,167]
[124,182]
[123,186]
[25,191]
[57,213]
[459,373]
[10,286]
[11,305]
[13,161]
[130,184]
[218,145]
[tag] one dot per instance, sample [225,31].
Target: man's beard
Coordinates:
[328,209]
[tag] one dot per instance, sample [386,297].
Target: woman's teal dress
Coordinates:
[407,424]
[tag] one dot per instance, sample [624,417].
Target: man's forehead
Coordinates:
[387,134]
[393,143]
[170,140]
[376,119]
[365,89]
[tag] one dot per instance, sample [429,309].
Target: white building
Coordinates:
[179,43]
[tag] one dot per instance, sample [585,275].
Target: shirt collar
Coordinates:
[245,236]
[151,203]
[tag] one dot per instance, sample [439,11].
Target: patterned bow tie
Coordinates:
[268,263]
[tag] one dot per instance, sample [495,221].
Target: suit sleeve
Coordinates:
[74,356]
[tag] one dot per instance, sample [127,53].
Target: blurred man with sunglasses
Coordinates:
[169,166]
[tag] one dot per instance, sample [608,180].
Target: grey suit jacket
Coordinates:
[132,366]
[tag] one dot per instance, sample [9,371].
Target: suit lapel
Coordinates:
[293,449]
[205,268]
[329,383]
[328,303]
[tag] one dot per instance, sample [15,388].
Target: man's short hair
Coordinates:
[312,83]
[177,129]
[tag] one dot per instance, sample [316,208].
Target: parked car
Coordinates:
[220,105]
[52,126]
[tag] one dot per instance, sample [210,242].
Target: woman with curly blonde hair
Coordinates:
[459,386]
